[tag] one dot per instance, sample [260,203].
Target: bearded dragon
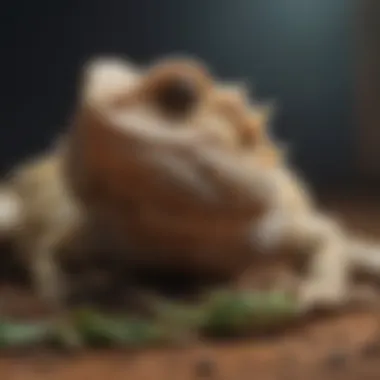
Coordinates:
[166,166]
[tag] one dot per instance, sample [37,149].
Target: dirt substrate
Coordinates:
[341,347]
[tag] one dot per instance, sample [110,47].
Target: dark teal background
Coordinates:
[295,51]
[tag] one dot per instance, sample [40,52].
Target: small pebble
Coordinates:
[336,360]
[205,368]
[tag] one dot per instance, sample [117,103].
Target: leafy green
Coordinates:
[231,313]
[222,313]
[99,329]
[15,334]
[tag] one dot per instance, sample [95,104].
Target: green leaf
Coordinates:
[23,334]
[230,313]
[98,329]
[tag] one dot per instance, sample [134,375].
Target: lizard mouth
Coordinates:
[141,128]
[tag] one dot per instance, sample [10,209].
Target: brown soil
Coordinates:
[342,348]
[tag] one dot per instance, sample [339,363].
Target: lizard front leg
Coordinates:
[48,279]
[327,276]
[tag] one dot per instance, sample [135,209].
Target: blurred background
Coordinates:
[319,59]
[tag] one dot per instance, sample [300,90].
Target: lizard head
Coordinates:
[175,96]
[130,116]
[128,113]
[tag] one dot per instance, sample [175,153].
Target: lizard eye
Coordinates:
[178,95]
[177,86]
